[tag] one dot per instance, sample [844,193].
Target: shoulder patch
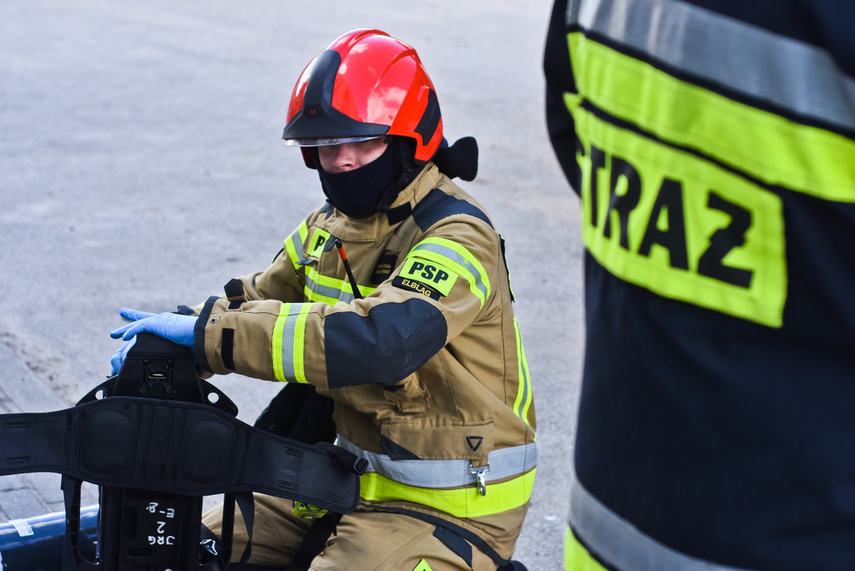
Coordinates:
[320,242]
[418,287]
[425,277]
[438,205]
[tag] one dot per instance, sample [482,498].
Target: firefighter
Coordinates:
[712,144]
[393,299]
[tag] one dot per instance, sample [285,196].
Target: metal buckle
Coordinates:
[480,477]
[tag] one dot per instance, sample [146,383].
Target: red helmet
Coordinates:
[364,85]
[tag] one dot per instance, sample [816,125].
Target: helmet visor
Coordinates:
[324,141]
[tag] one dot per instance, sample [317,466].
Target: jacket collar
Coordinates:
[424,182]
[372,228]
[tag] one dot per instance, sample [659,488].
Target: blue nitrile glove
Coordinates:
[177,328]
[119,356]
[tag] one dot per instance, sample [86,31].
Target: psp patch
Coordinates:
[321,241]
[427,278]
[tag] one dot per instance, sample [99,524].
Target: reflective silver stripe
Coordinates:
[288,323]
[621,545]
[288,337]
[754,61]
[504,463]
[341,291]
[297,243]
[328,291]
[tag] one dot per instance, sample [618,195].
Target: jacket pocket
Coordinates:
[440,439]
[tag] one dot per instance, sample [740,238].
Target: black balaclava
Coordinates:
[371,188]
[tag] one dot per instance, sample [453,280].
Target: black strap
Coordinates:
[227,348]
[455,543]
[314,541]
[470,536]
[235,293]
[246,503]
[176,447]
[72,558]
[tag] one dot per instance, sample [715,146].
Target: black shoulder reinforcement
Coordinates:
[438,205]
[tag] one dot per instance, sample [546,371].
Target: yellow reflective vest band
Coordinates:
[804,158]
[459,259]
[288,342]
[460,502]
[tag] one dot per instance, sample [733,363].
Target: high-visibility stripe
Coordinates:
[294,245]
[576,557]
[764,145]
[450,485]
[320,288]
[504,463]
[459,259]
[656,216]
[317,287]
[745,58]
[288,342]
[276,348]
[619,544]
[524,393]
[462,502]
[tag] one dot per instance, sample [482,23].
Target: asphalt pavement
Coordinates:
[141,165]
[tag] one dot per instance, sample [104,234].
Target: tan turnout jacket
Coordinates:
[427,370]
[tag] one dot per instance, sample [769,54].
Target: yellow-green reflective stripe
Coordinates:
[422,566]
[727,51]
[576,557]
[321,288]
[459,259]
[294,245]
[288,342]
[315,297]
[524,394]
[778,151]
[276,347]
[703,203]
[462,502]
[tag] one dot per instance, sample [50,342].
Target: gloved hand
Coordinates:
[119,356]
[177,328]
